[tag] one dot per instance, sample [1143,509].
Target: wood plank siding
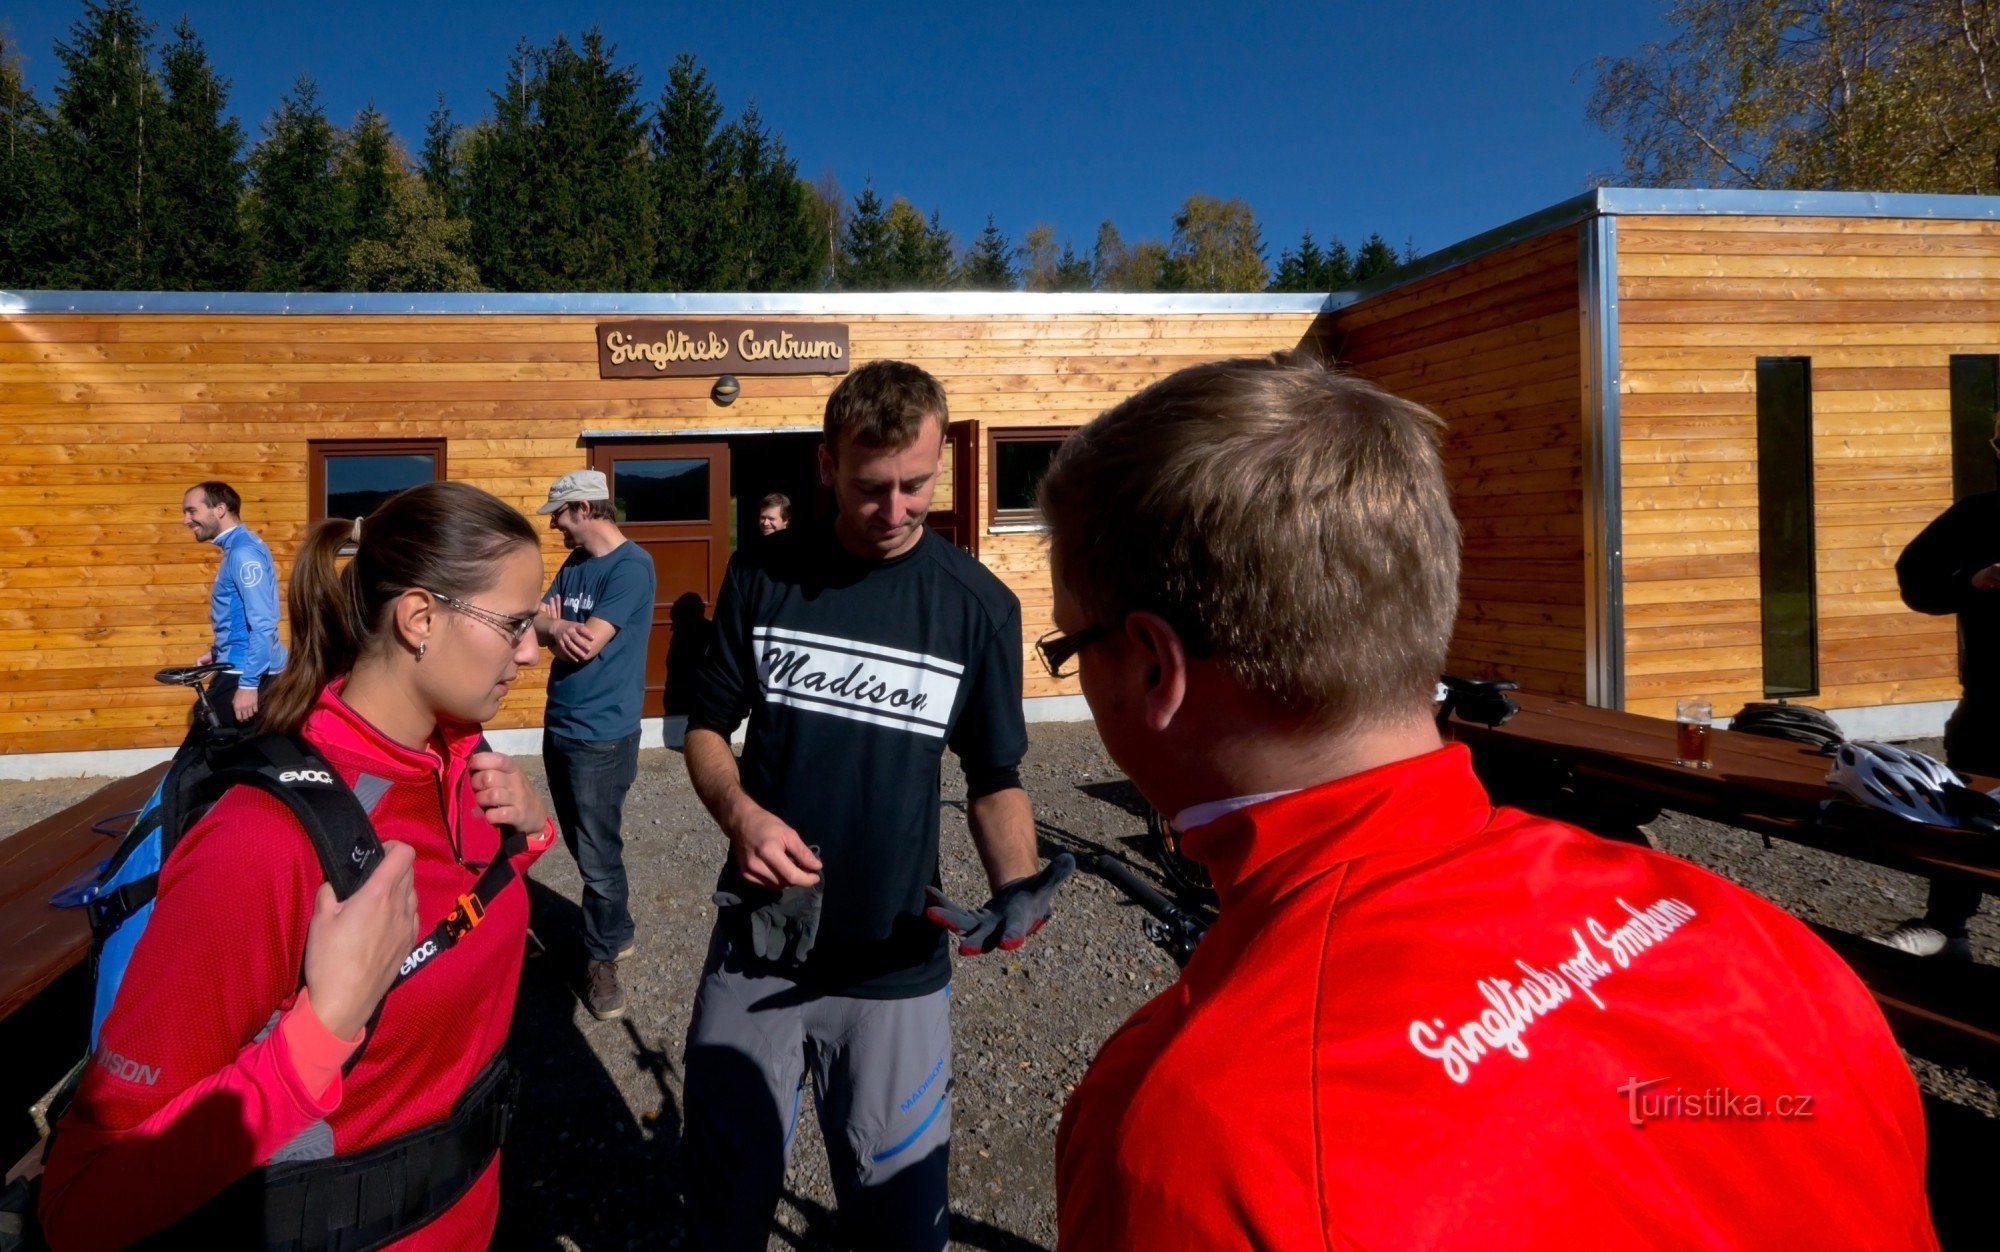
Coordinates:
[1493,346]
[105,419]
[1879,306]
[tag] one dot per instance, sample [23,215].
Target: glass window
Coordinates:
[1975,395]
[352,478]
[660,491]
[1785,526]
[1020,458]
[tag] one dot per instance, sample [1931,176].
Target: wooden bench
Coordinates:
[1608,771]
[39,941]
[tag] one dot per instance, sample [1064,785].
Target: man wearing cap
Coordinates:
[596,619]
[243,604]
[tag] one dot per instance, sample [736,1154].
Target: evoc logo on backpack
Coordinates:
[306,775]
[424,952]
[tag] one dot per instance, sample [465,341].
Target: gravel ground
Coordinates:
[594,1161]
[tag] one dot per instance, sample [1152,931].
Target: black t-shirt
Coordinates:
[1935,574]
[855,676]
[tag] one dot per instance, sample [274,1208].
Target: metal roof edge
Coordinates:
[607,304]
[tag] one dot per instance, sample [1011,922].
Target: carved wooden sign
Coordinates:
[681,349]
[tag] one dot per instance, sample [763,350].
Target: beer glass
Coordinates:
[1691,730]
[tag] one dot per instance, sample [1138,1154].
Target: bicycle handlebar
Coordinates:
[189,675]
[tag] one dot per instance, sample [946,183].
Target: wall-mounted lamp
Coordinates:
[725,390]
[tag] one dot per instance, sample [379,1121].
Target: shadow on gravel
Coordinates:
[576,1166]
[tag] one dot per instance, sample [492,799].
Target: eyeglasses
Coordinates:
[1059,650]
[514,628]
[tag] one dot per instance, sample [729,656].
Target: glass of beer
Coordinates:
[1691,727]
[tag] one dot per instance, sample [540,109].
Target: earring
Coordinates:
[421,645]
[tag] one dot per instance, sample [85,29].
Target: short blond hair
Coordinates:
[1289,521]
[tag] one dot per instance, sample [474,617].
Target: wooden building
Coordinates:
[1689,434]
[1692,430]
[112,404]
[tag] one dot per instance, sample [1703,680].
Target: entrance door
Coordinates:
[955,510]
[673,501]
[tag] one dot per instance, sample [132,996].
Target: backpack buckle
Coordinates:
[469,913]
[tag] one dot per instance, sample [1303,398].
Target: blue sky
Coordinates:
[1426,119]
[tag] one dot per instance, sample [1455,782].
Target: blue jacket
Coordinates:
[243,607]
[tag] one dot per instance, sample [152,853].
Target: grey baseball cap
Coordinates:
[577,488]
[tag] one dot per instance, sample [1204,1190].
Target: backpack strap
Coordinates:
[292,771]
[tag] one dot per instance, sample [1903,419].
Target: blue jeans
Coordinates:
[588,780]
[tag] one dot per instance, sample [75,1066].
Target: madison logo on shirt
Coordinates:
[863,682]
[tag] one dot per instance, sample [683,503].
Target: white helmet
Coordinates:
[1897,780]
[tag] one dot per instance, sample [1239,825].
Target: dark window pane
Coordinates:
[1975,394]
[660,491]
[356,484]
[1018,466]
[1785,526]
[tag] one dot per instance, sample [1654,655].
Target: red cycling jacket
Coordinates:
[1423,1022]
[188,1090]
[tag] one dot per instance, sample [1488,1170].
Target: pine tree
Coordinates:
[1375,257]
[298,229]
[557,186]
[28,195]
[1302,270]
[1072,271]
[1107,257]
[107,120]
[1337,269]
[441,166]
[697,207]
[922,252]
[370,169]
[200,185]
[868,247]
[989,265]
[777,244]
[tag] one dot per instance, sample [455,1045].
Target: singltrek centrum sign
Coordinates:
[698,347]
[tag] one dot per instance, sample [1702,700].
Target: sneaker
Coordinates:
[1922,939]
[631,946]
[601,993]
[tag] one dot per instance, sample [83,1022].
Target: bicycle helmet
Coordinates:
[1800,723]
[1895,780]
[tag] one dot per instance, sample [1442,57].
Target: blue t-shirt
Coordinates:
[600,698]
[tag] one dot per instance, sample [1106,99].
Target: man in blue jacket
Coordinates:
[243,604]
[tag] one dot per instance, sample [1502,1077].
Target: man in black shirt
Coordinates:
[858,656]
[1954,567]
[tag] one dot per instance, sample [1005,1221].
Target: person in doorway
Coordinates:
[1953,567]
[596,619]
[774,513]
[242,604]
[858,656]
[1418,1020]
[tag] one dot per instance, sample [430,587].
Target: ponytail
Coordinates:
[326,628]
[446,538]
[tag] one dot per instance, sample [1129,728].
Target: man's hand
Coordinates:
[245,703]
[789,919]
[1987,579]
[1016,911]
[579,641]
[206,658]
[770,854]
[505,795]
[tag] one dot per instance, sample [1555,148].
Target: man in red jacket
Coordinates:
[1419,1021]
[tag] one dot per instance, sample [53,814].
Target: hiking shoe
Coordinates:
[1921,939]
[601,993]
[631,946]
